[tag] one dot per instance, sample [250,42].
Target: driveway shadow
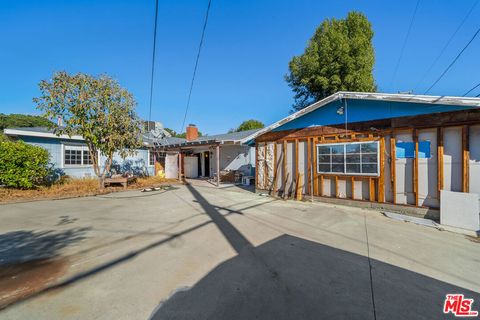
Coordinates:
[292,278]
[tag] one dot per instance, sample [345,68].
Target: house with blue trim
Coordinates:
[389,150]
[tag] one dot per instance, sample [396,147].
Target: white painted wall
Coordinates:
[404,174]
[427,171]
[474,170]
[452,159]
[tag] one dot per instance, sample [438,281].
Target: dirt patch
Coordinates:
[74,188]
[21,280]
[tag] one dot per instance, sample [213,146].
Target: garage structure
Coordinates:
[397,149]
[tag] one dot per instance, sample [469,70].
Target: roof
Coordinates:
[225,138]
[390,97]
[148,138]
[42,132]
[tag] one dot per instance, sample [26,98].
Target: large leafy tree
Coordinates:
[339,57]
[248,125]
[98,109]
[22,120]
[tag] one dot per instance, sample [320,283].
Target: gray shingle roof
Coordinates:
[233,137]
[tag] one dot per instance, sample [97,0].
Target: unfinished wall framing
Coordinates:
[417,157]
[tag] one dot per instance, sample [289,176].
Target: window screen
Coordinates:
[356,158]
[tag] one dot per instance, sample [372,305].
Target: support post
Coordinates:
[393,157]
[217,149]
[466,159]
[439,160]
[415,167]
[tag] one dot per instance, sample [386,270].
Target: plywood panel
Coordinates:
[261,166]
[404,174]
[452,159]
[290,174]
[387,174]
[344,188]
[279,168]
[358,189]
[474,161]
[328,187]
[303,164]
[365,189]
[427,171]
[269,163]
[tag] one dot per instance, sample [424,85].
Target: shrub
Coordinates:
[22,165]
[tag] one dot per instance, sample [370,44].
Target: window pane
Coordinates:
[337,149]
[369,147]
[322,167]
[336,167]
[353,158]
[353,168]
[86,158]
[353,148]
[324,158]
[372,158]
[338,158]
[369,168]
[323,150]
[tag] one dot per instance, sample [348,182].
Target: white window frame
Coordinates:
[344,173]
[80,147]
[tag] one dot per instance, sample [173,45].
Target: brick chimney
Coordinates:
[192,132]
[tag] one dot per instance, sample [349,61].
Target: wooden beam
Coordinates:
[321,193]
[352,179]
[309,163]
[296,163]
[439,160]
[285,179]
[337,195]
[381,178]
[415,167]
[275,168]
[256,166]
[393,169]
[265,167]
[371,189]
[217,149]
[315,167]
[466,158]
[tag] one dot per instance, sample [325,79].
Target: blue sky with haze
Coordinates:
[247,48]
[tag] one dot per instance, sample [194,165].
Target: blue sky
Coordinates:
[246,51]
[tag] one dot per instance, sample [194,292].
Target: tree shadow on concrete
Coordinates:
[292,278]
[30,261]
[26,245]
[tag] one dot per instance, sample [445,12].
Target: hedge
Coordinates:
[22,165]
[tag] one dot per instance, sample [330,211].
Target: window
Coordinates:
[76,156]
[160,157]
[355,158]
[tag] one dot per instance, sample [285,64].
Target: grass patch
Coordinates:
[70,188]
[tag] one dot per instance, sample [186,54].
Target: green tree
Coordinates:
[248,125]
[339,57]
[98,109]
[22,165]
[22,120]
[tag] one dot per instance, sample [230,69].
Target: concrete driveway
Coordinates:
[197,252]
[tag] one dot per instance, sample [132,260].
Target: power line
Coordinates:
[404,44]
[447,44]
[475,87]
[196,64]
[453,62]
[153,64]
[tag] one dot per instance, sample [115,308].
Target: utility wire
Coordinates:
[453,62]
[196,65]
[404,45]
[475,87]
[153,64]
[447,44]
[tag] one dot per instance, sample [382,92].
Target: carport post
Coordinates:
[218,164]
